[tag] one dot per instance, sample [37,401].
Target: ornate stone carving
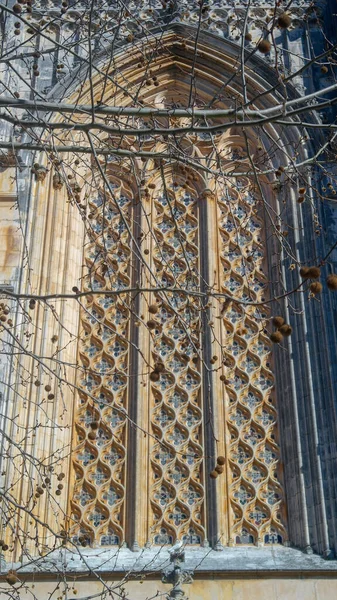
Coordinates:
[255,488]
[177,492]
[99,461]
[176,575]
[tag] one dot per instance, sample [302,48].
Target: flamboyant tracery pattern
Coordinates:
[177,491]
[173,247]
[99,459]
[256,513]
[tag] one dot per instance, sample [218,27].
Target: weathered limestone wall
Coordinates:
[229,589]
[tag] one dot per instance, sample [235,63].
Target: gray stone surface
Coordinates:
[242,561]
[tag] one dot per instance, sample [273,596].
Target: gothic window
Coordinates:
[149,358]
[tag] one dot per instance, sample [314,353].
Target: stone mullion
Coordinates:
[213,437]
[149,280]
[219,390]
[137,508]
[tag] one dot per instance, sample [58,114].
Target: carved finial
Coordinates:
[176,575]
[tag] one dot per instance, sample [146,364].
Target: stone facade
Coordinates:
[141,479]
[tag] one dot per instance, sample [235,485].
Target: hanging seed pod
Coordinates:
[302,191]
[94,425]
[213,474]
[264,46]
[324,69]
[300,199]
[316,287]
[58,492]
[12,578]
[159,367]
[219,469]
[154,376]
[304,272]
[91,435]
[314,272]
[40,490]
[153,309]
[61,476]
[248,36]
[221,460]
[276,337]
[278,321]
[151,324]
[284,21]
[47,388]
[331,282]
[285,330]
[224,379]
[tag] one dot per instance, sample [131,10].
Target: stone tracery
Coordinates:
[177,415]
[177,493]
[254,486]
[99,462]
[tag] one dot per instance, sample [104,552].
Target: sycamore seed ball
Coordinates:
[304,272]
[285,330]
[264,46]
[284,21]
[278,321]
[314,272]
[331,282]
[11,578]
[276,337]
[316,287]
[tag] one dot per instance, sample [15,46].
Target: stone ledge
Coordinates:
[243,561]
